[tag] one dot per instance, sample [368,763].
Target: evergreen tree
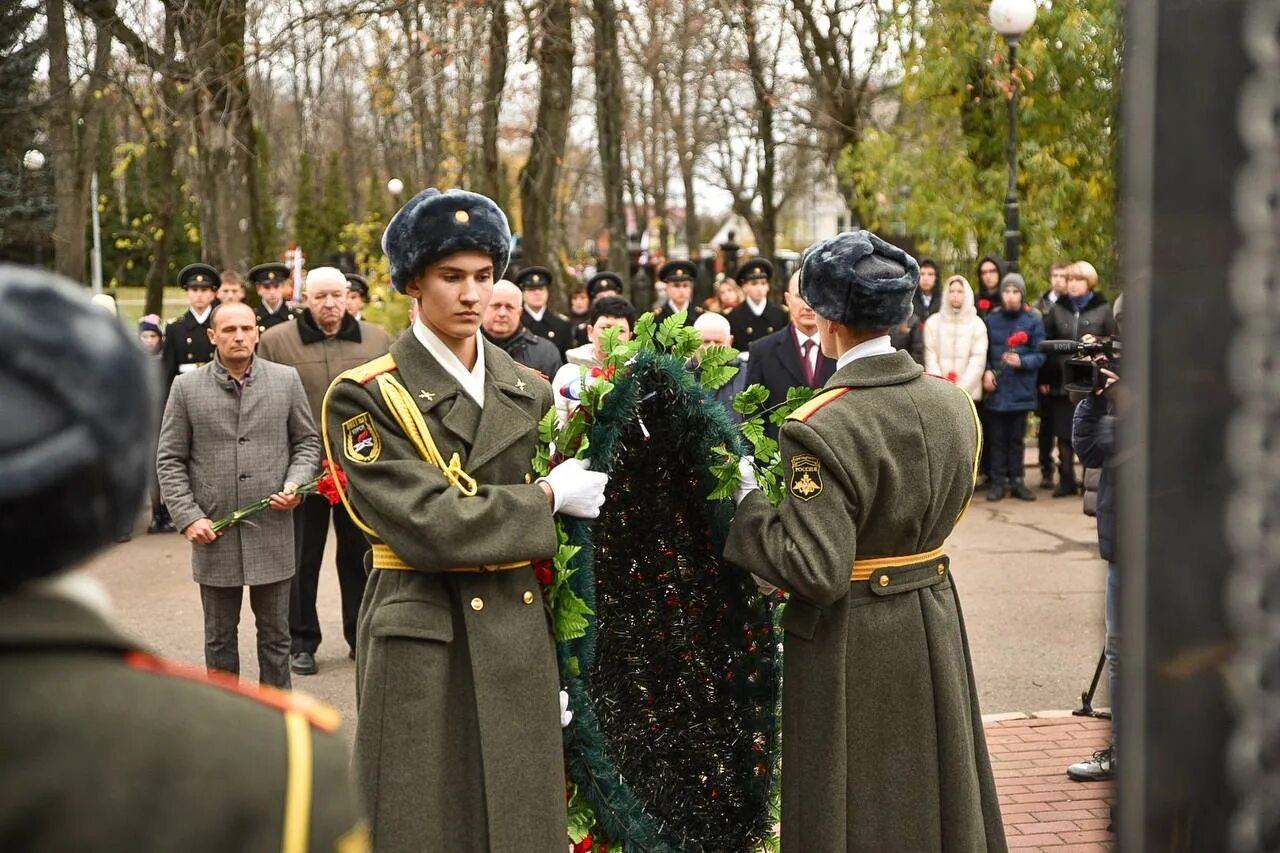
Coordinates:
[26,184]
[947,145]
[335,211]
[266,231]
[307,226]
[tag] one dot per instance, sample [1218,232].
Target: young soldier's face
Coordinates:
[355,302]
[200,298]
[756,289]
[679,292]
[270,293]
[453,294]
[536,298]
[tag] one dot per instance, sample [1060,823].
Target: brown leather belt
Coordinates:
[385,558]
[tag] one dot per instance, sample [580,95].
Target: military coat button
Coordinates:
[477,603]
[188,340]
[528,596]
[749,330]
[884,580]
[551,333]
[942,568]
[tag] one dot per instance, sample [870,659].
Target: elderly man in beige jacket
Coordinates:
[323,342]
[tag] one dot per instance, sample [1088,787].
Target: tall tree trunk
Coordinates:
[213,32]
[692,232]
[541,173]
[768,229]
[73,141]
[609,122]
[490,181]
[171,189]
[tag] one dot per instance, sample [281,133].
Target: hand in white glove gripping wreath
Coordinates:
[747,484]
[576,490]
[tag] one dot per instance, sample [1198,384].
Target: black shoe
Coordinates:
[984,482]
[996,492]
[351,654]
[1065,490]
[1046,481]
[1100,768]
[303,663]
[1020,491]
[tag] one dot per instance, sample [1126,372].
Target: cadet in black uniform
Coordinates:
[357,295]
[756,317]
[186,341]
[679,277]
[269,280]
[538,318]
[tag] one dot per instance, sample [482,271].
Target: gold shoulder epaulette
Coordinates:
[367,371]
[805,411]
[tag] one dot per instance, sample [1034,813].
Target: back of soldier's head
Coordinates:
[77,413]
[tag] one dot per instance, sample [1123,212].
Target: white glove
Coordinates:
[575,489]
[748,483]
[566,716]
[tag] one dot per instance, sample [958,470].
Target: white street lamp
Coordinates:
[1012,18]
[395,186]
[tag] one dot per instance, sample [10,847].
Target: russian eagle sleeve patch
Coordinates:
[360,439]
[806,476]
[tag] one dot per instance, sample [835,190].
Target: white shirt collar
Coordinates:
[757,308]
[801,337]
[537,315]
[204,315]
[926,298]
[674,309]
[80,587]
[866,349]
[472,381]
[271,310]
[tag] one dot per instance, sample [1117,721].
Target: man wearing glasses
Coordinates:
[323,342]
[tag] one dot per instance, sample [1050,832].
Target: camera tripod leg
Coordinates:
[1086,698]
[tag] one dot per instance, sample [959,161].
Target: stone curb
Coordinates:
[1034,715]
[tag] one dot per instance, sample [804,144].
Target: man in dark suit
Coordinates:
[756,317]
[538,318]
[186,340]
[679,277]
[269,280]
[792,356]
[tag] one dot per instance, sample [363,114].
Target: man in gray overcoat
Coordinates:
[882,742]
[235,431]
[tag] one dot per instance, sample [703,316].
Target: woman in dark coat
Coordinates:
[1014,333]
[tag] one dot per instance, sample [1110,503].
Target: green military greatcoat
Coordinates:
[458,743]
[882,743]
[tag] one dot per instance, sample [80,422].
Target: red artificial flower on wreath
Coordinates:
[542,571]
[952,376]
[326,485]
[583,846]
[1018,338]
[605,372]
[984,304]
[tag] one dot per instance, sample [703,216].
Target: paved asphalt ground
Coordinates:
[1028,574]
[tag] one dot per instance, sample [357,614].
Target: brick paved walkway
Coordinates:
[1042,808]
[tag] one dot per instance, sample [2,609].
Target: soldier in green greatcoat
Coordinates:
[103,746]
[458,743]
[882,746]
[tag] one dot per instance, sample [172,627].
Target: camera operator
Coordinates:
[1093,435]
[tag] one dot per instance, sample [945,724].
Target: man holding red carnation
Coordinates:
[1014,333]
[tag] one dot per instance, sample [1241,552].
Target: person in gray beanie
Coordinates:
[1014,333]
[107,747]
[874,638]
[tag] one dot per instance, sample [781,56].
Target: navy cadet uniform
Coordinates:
[358,285]
[107,747]
[746,325]
[678,271]
[186,340]
[553,326]
[270,275]
[601,284]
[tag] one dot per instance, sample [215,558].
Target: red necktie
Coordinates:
[810,371]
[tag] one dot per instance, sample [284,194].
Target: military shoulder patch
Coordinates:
[806,411]
[806,476]
[360,439]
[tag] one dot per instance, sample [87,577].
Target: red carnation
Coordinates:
[326,485]
[542,571]
[1018,338]
[952,376]
[984,304]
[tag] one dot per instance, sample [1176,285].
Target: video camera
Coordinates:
[1083,371]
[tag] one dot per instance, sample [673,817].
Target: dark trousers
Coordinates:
[984,457]
[270,603]
[1045,411]
[1007,441]
[310,530]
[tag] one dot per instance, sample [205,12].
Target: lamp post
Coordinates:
[395,186]
[1012,18]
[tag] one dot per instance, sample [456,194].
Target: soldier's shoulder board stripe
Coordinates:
[807,410]
[367,371]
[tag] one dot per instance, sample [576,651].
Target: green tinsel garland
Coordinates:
[674,684]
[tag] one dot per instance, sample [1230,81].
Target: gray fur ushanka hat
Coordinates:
[857,279]
[433,225]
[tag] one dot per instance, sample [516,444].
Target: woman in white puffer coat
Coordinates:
[955,339]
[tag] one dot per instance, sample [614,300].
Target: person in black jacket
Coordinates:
[538,318]
[790,357]
[1094,431]
[756,317]
[186,341]
[1057,291]
[990,274]
[1083,311]
[501,327]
